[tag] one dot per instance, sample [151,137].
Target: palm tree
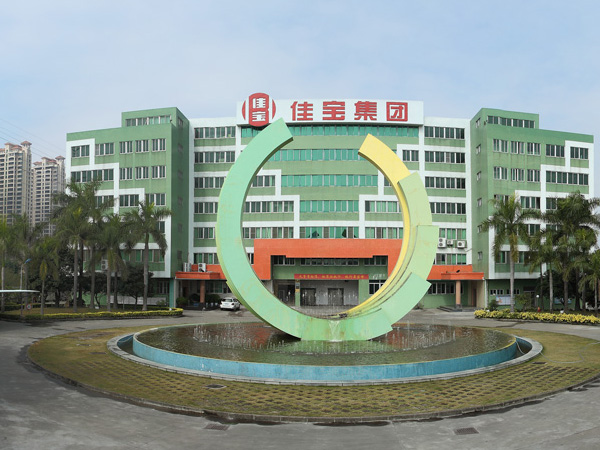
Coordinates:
[26,237]
[145,224]
[112,234]
[592,277]
[509,221]
[80,200]
[6,244]
[575,222]
[46,258]
[73,227]
[542,252]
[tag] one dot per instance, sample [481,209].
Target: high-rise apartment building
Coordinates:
[48,179]
[15,179]
[321,225]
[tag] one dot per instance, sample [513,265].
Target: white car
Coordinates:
[230,304]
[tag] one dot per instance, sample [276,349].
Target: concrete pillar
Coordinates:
[202,293]
[457,294]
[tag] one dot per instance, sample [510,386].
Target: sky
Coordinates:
[76,65]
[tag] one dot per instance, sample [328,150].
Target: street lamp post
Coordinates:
[21,283]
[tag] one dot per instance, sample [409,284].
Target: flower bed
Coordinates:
[174,312]
[580,319]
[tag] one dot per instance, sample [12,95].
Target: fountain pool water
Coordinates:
[258,352]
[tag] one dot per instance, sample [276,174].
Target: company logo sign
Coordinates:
[260,110]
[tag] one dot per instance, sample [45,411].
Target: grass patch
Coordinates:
[84,358]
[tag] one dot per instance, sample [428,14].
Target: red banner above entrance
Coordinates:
[331,276]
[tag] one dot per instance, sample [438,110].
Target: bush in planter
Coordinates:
[181,302]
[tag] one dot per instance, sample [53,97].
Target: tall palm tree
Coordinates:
[144,222]
[113,233]
[509,222]
[7,242]
[80,200]
[73,227]
[542,251]
[46,259]
[26,236]
[576,223]
[592,277]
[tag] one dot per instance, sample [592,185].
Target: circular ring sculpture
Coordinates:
[374,317]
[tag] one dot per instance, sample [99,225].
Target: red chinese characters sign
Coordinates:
[330,276]
[260,110]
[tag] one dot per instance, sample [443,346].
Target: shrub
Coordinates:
[580,319]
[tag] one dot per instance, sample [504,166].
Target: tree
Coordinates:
[83,196]
[575,224]
[6,244]
[509,221]
[145,224]
[25,236]
[113,233]
[45,257]
[542,252]
[592,277]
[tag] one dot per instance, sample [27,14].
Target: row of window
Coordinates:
[206,207]
[447,259]
[142,172]
[204,232]
[445,183]
[445,157]
[317,206]
[143,145]
[342,130]
[453,233]
[448,208]
[441,288]
[517,147]
[317,154]
[263,181]
[328,180]
[383,233]
[276,206]
[581,179]
[214,132]
[151,120]
[88,175]
[509,122]
[208,182]
[214,157]
[516,174]
[268,232]
[445,132]
[329,232]
[381,206]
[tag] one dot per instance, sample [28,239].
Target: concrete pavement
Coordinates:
[37,411]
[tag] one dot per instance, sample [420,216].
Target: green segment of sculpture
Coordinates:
[405,286]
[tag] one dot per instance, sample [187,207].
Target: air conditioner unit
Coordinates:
[187,267]
[461,244]
[202,267]
[449,242]
[442,243]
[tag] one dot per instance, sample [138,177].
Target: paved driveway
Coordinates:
[37,412]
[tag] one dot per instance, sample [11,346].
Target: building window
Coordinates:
[126,173]
[517,174]
[533,148]
[579,153]
[410,155]
[557,151]
[141,146]
[107,148]
[157,199]
[533,175]
[126,147]
[80,151]
[159,145]
[500,173]
[375,285]
[141,173]
[159,171]
[479,202]
[444,132]
[214,132]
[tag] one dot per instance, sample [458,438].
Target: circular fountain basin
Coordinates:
[257,352]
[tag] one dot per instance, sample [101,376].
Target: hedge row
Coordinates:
[539,316]
[175,312]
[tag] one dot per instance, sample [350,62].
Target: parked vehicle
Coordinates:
[230,304]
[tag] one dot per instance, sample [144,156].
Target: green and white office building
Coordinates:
[321,225]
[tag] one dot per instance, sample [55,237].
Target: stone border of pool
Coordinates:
[113,346]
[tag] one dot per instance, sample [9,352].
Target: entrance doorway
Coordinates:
[335,296]
[308,297]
